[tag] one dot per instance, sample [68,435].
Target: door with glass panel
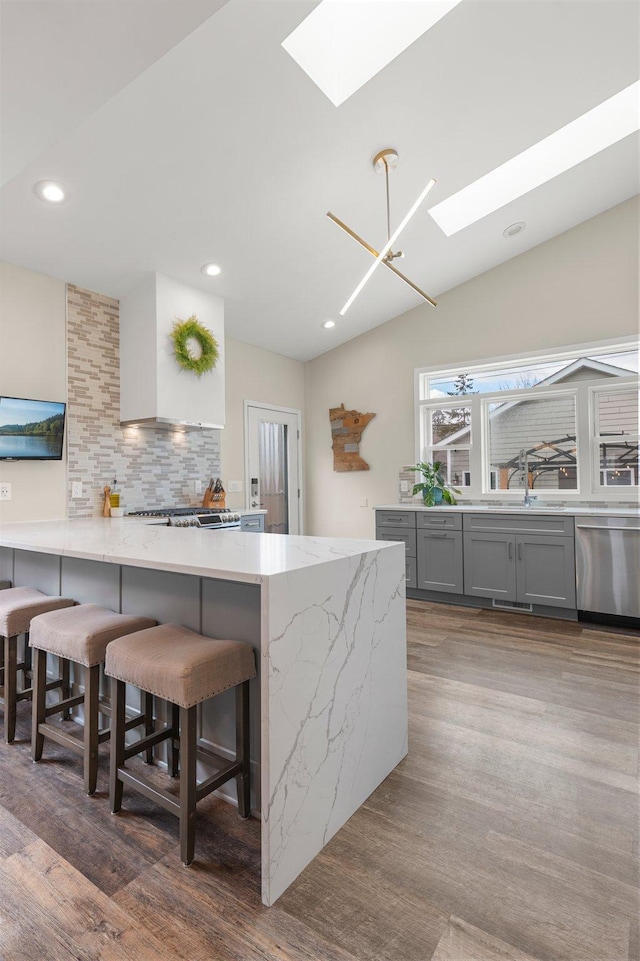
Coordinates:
[273,465]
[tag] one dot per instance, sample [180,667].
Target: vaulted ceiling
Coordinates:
[184,133]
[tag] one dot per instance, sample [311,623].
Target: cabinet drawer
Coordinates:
[252,522]
[439,520]
[520,523]
[406,519]
[408,538]
[412,580]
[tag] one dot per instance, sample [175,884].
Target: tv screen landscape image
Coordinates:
[31,429]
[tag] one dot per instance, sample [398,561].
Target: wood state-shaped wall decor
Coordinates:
[347,427]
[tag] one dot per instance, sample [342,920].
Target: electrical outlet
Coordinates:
[5,492]
[76,489]
[197,485]
[404,486]
[235,487]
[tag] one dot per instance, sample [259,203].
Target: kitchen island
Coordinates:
[326,618]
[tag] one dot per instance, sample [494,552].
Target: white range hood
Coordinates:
[154,390]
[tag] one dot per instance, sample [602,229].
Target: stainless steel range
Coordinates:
[213,518]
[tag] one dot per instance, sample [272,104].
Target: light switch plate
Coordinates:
[364,502]
[235,487]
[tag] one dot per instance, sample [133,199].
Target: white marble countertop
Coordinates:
[513,508]
[225,554]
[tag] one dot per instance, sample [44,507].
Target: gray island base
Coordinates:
[326,618]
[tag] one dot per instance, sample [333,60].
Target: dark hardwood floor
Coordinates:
[509,833]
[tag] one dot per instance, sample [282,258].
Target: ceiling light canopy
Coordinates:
[328,324]
[50,191]
[211,270]
[342,44]
[386,161]
[584,137]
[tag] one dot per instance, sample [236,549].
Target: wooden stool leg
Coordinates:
[149,726]
[39,698]
[91,695]
[10,687]
[26,660]
[64,668]
[243,780]
[174,743]
[188,738]
[118,693]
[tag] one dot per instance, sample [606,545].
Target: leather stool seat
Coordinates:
[80,635]
[18,606]
[184,668]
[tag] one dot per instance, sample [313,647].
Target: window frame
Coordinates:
[585,393]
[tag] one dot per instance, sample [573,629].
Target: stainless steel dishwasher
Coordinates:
[608,565]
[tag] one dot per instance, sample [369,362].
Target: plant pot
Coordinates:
[437,497]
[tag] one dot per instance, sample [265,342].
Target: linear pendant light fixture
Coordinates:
[342,44]
[386,161]
[580,139]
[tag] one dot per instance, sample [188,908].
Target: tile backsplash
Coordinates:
[154,468]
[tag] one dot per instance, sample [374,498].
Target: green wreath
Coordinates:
[191,329]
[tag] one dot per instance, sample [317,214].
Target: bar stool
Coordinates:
[183,668]
[79,635]
[18,606]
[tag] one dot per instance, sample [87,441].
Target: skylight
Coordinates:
[344,43]
[584,137]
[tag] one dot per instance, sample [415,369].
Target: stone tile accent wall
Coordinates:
[154,468]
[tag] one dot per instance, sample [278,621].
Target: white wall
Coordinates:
[33,365]
[259,375]
[580,286]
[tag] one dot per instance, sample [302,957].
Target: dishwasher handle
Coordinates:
[598,527]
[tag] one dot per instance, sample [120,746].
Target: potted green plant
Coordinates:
[432,487]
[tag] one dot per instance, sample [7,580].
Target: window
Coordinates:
[572,416]
[616,436]
[541,432]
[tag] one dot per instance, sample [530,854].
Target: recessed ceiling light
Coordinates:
[584,137]
[514,229]
[50,191]
[211,270]
[342,44]
[328,324]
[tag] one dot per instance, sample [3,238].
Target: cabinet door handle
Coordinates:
[438,534]
[510,550]
[520,551]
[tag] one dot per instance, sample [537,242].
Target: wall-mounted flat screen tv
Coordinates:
[31,429]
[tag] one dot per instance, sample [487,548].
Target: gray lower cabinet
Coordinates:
[252,522]
[439,557]
[402,533]
[519,557]
[489,565]
[527,568]
[546,571]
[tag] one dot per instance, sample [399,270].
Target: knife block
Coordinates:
[213,500]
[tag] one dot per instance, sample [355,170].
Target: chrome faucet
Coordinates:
[524,467]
